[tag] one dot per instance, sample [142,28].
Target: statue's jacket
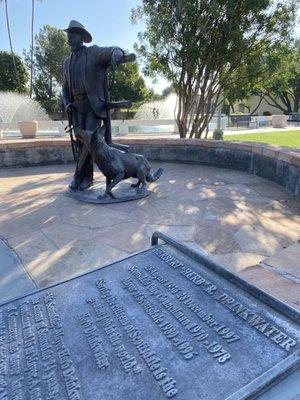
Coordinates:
[93,67]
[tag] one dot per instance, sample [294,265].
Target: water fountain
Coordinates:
[160,109]
[165,109]
[156,116]
[18,110]
[15,107]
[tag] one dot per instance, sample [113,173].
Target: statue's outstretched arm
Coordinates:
[109,56]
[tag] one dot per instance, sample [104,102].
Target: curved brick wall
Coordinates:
[281,165]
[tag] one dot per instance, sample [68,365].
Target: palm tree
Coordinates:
[10,41]
[31,49]
[32,42]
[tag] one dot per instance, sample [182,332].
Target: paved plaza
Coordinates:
[248,224]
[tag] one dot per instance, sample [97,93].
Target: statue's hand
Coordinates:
[116,57]
[70,107]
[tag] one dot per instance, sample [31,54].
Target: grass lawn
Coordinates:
[282,138]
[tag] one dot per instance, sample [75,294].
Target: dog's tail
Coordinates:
[153,177]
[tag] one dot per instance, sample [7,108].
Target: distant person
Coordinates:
[155,113]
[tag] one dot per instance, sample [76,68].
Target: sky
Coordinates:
[108,21]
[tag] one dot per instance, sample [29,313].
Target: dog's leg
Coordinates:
[142,179]
[112,184]
[108,181]
[102,196]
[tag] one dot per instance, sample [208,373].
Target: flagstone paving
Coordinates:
[248,224]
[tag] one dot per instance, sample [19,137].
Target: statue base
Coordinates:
[123,192]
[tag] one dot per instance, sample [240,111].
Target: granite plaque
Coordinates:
[156,325]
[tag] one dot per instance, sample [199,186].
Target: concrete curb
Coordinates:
[276,163]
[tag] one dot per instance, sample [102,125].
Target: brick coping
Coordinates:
[286,154]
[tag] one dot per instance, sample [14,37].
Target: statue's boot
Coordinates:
[74,185]
[85,183]
[81,184]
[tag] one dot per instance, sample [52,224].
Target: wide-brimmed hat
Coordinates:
[75,26]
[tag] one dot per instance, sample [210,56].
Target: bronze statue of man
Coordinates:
[85,92]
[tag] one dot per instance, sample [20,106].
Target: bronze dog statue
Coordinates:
[115,164]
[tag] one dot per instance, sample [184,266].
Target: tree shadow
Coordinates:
[58,237]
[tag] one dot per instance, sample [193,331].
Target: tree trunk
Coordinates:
[259,103]
[272,101]
[50,88]
[181,114]
[10,42]
[297,99]
[31,50]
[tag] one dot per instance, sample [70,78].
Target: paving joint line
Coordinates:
[19,261]
[285,274]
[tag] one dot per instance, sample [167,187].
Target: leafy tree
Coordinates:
[8,77]
[281,89]
[199,45]
[249,78]
[129,84]
[51,48]
[273,75]
[167,91]
[10,42]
